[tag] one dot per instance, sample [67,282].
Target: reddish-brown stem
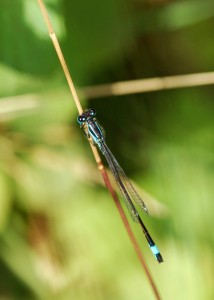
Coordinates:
[129,230]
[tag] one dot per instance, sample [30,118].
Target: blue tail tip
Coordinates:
[156,253]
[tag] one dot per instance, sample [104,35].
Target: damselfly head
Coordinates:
[86,115]
[81,119]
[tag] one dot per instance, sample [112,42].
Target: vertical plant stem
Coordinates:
[129,231]
[60,56]
[95,151]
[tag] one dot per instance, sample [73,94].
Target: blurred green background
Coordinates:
[60,234]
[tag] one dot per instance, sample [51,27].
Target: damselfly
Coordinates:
[92,128]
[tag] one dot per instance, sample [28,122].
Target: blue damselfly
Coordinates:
[94,131]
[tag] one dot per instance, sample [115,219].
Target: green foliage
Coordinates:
[60,234]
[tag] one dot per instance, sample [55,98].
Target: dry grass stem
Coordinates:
[148,85]
[95,151]
[60,56]
[27,102]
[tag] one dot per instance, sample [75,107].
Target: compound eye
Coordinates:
[92,112]
[81,119]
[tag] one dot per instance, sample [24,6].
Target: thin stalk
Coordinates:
[148,85]
[60,55]
[96,153]
[129,231]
